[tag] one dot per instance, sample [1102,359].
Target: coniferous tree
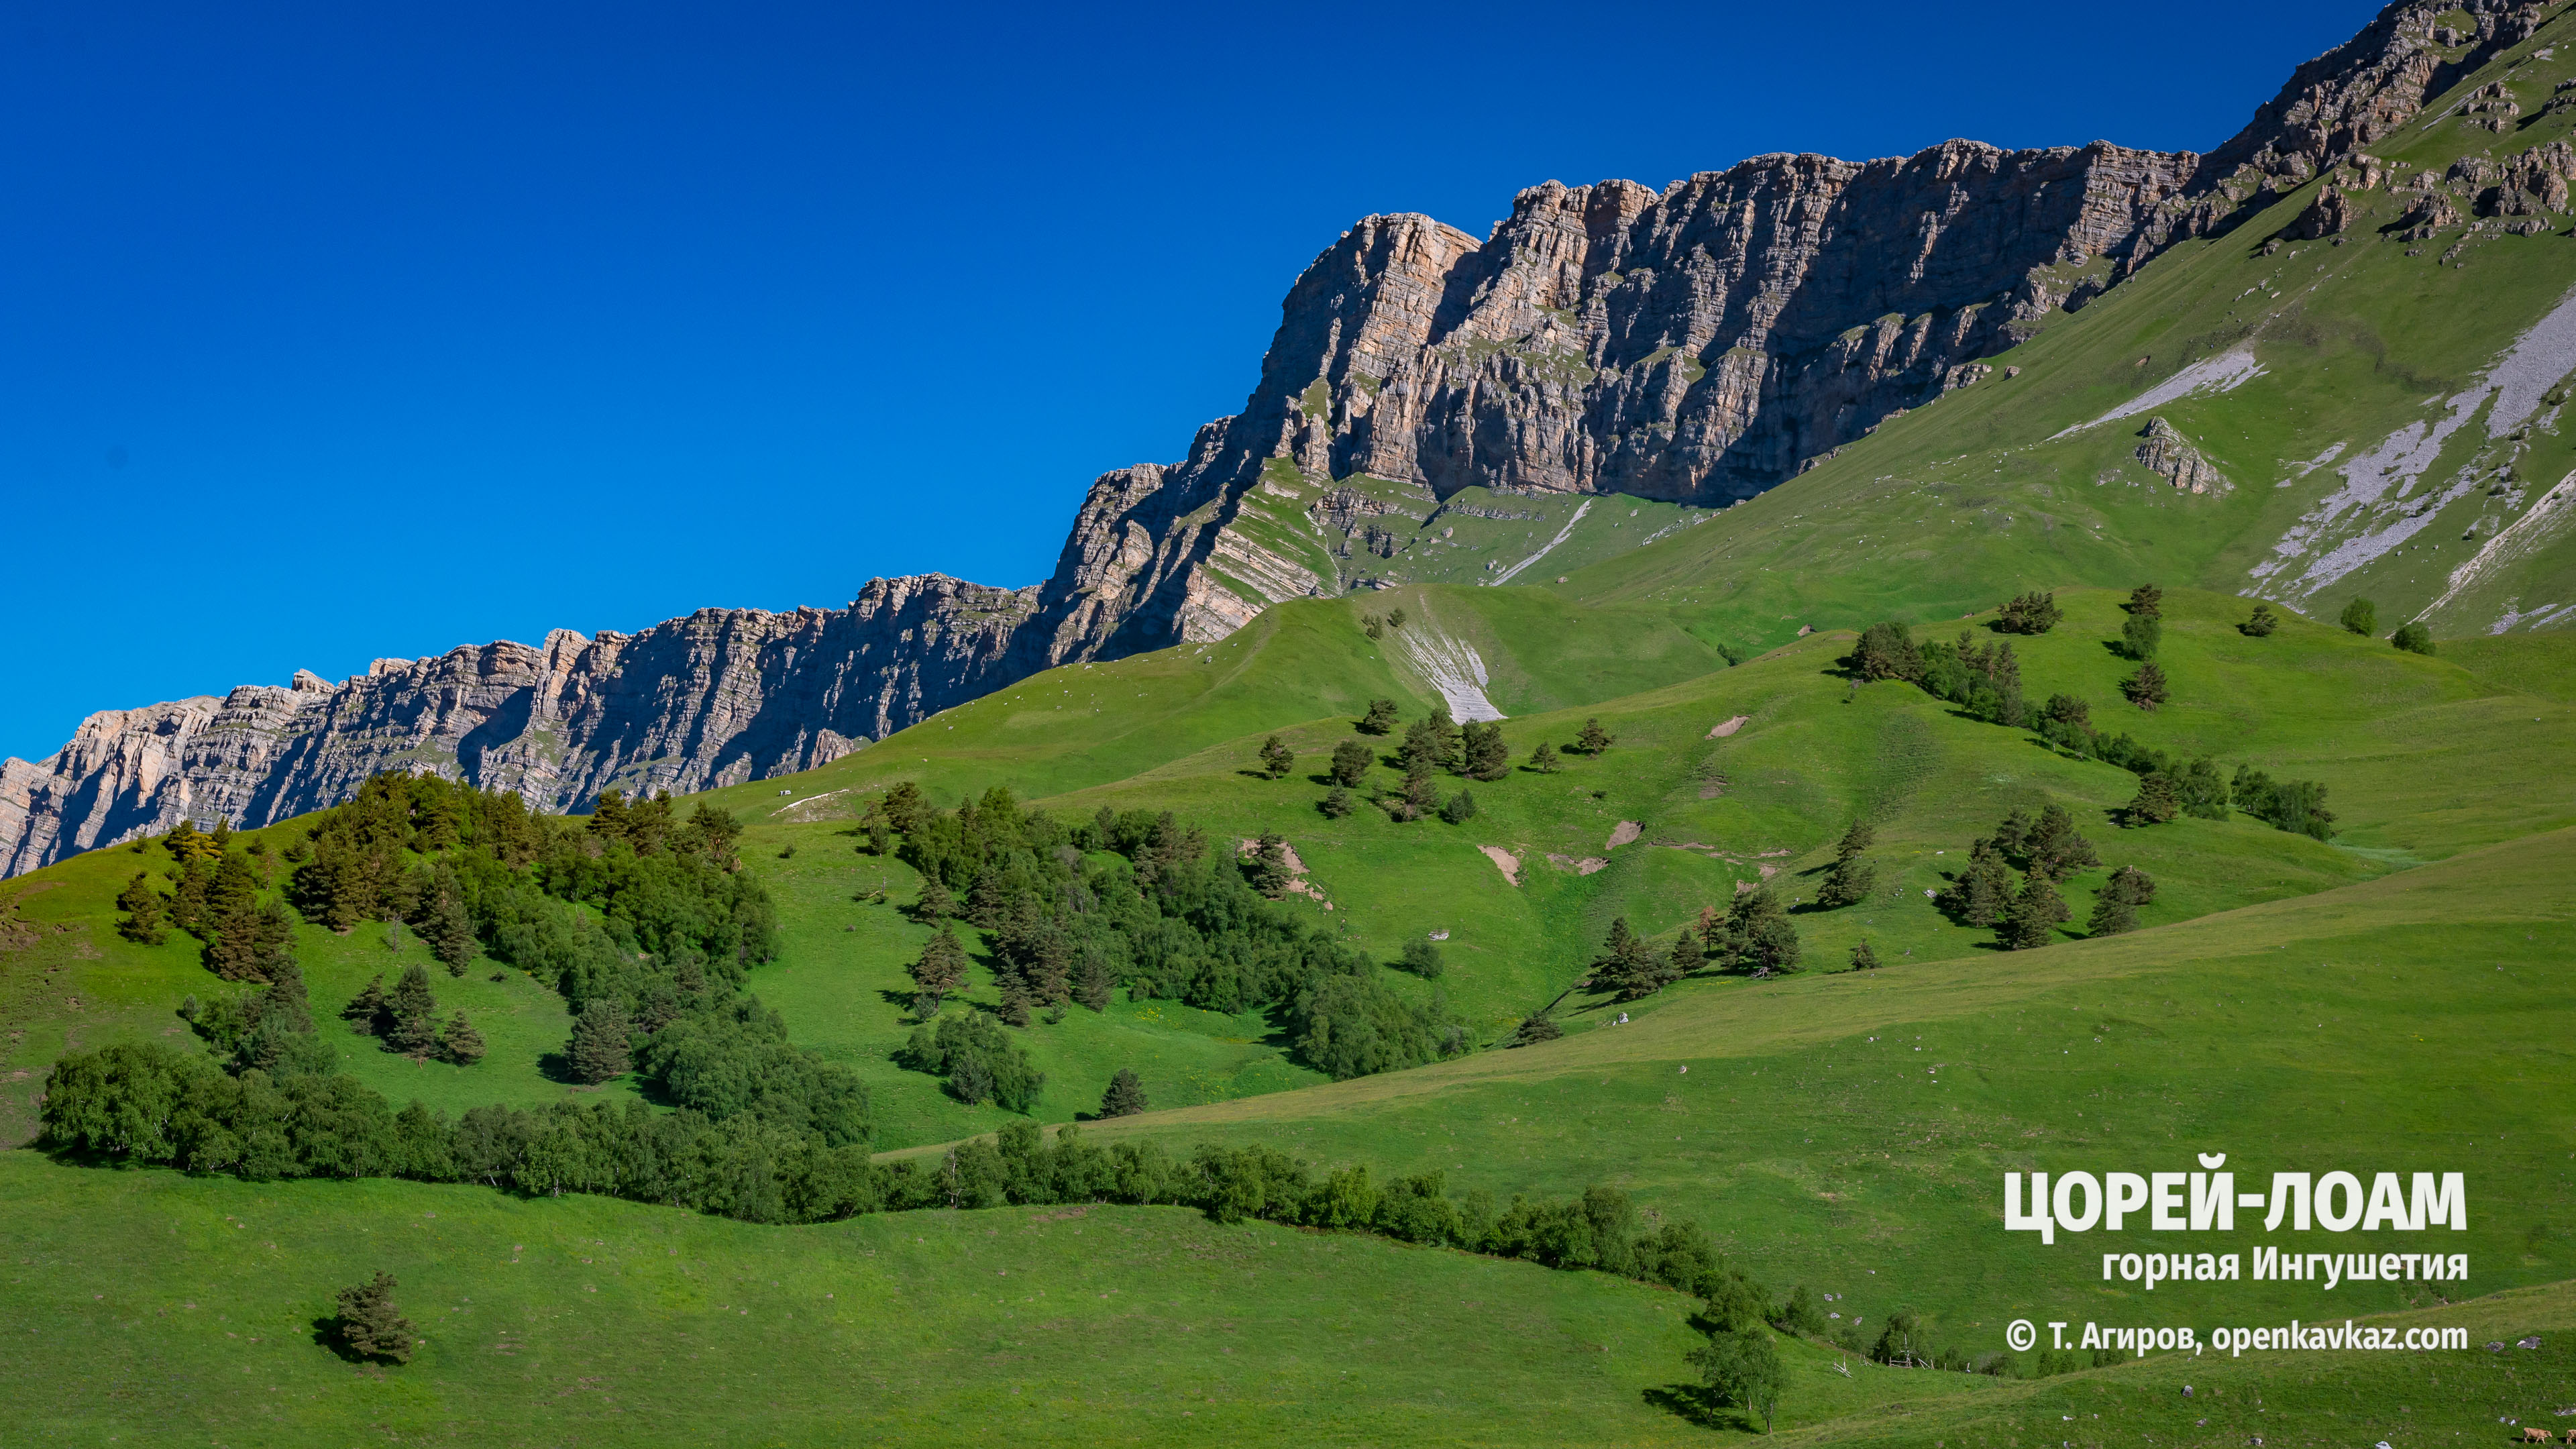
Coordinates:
[1421,753]
[1543,759]
[1756,935]
[2115,909]
[1336,803]
[1800,1315]
[2054,849]
[460,1042]
[601,1048]
[1686,957]
[1534,1030]
[1488,758]
[366,1014]
[936,903]
[2260,623]
[2157,801]
[2142,635]
[2147,600]
[145,910]
[1593,739]
[2147,688]
[1016,1002]
[2361,616]
[444,924]
[411,1014]
[1380,718]
[1626,964]
[1421,797]
[1983,892]
[1092,980]
[1863,958]
[939,972]
[1351,761]
[1460,808]
[2013,836]
[1395,618]
[1887,651]
[1125,1097]
[2035,914]
[1852,877]
[371,1325]
[1276,758]
[1268,868]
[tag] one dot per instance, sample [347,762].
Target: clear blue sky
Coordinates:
[337,331]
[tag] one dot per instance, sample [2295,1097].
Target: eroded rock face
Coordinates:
[721,696]
[1700,344]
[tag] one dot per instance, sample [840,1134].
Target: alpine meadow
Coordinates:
[1520,894]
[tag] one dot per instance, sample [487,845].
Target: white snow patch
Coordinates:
[2226,372]
[1562,535]
[1453,667]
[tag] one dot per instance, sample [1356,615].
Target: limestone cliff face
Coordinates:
[1698,344]
[721,696]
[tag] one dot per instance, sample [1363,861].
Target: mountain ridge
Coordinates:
[1697,345]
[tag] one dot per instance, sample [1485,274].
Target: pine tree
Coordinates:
[2013,836]
[1543,759]
[1594,739]
[1380,719]
[2361,616]
[411,1014]
[2142,636]
[1626,964]
[460,1042]
[371,1325]
[1016,1003]
[1460,808]
[1421,797]
[2260,623]
[1422,750]
[1125,1097]
[2035,914]
[1395,618]
[445,926]
[1351,761]
[1686,958]
[366,1014]
[1887,651]
[2147,600]
[1268,869]
[2116,909]
[2054,849]
[2157,801]
[1336,803]
[600,1046]
[1276,758]
[940,971]
[1488,758]
[2146,689]
[936,904]
[145,910]
[1863,958]
[1852,877]
[1092,982]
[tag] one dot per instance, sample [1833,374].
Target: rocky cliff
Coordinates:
[1696,344]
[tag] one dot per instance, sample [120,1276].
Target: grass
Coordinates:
[150,1307]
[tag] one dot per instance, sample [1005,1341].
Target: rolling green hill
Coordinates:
[2373,416]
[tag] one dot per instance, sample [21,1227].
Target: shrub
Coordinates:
[2361,616]
[2414,638]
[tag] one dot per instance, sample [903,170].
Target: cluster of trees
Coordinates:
[2047,851]
[1986,680]
[2030,613]
[405,1020]
[1136,899]
[980,1061]
[220,896]
[1752,934]
[643,921]
[1433,745]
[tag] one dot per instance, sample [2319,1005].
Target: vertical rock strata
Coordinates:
[1695,344]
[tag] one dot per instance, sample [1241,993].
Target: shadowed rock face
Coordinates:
[1698,344]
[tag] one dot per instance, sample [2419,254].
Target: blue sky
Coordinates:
[334,332]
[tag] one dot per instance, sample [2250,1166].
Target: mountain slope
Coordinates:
[1695,345]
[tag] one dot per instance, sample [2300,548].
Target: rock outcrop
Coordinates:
[1699,344]
[2169,455]
[721,696]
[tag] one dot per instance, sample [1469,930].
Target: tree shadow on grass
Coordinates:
[1696,1403]
[326,1334]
